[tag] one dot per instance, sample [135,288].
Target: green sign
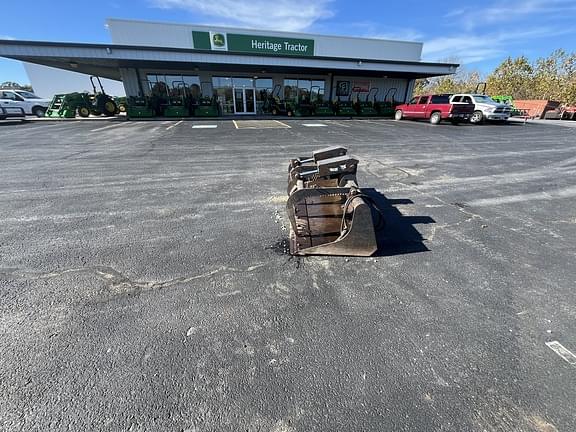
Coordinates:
[253,44]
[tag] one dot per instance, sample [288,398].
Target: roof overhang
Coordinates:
[105,60]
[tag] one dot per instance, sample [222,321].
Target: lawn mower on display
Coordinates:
[366,107]
[177,100]
[322,107]
[387,107]
[345,107]
[304,107]
[207,105]
[276,106]
[139,107]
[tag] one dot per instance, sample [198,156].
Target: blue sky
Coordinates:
[479,34]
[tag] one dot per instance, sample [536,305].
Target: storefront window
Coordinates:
[243,82]
[290,89]
[222,87]
[303,89]
[221,82]
[163,84]
[317,90]
[264,87]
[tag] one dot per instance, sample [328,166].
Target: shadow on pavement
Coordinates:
[398,236]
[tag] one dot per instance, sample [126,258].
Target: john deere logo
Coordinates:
[218,40]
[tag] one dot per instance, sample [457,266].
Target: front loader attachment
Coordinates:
[328,213]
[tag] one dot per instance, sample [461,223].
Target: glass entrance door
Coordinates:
[244,101]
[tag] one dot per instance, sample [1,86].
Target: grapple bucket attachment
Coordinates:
[328,213]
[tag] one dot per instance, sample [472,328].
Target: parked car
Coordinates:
[11,113]
[435,108]
[485,108]
[29,102]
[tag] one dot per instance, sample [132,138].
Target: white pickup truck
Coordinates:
[29,102]
[485,108]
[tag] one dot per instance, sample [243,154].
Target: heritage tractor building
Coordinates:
[238,66]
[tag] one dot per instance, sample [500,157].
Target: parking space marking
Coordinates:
[108,127]
[314,124]
[283,124]
[174,125]
[260,124]
[562,351]
[209,126]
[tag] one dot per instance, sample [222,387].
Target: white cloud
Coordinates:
[5,37]
[510,11]
[286,15]
[402,34]
[471,48]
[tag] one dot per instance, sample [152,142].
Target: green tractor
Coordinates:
[121,103]
[387,107]
[100,102]
[366,108]
[68,105]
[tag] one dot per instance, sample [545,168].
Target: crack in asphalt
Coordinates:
[116,280]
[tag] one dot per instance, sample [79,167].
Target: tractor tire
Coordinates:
[398,115]
[274,111]
[289,113]
[109,108]
[83,112]
[39,111]
[435,118]
[122,108]
[477,117]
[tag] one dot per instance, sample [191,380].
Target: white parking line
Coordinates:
[205,126]
[283,124]
[563,352]
[314,124]
[174,125]
[108,127]
[235,124]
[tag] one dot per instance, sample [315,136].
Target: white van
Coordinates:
[29,102]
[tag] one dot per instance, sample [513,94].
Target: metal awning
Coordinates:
[106,60]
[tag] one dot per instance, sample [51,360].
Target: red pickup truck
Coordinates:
[435,108]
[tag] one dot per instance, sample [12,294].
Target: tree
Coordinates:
[462,81]
[514,77]
[549,76]
[8,85]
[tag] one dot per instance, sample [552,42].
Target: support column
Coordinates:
[130,81]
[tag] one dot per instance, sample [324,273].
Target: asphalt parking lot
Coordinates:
[144,284]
